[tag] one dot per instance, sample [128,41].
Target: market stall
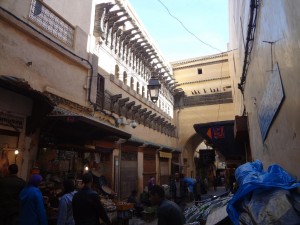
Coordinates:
[119,212]
[58,162]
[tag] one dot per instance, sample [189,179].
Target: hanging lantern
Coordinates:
[154,87]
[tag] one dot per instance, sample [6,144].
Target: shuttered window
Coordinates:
[100,92]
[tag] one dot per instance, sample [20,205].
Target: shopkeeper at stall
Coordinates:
[87,208]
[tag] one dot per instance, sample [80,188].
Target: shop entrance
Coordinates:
[128,174]
[164,171]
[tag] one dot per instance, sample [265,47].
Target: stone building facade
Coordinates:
[264,39]
[204,94]
[74,92]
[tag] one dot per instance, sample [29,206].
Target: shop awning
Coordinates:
[177,164]
[22,87]
[42,105]
[78,128]
[98,149]
[220,135]
[140,142]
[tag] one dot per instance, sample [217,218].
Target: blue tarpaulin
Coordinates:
[251,177]
[190,183]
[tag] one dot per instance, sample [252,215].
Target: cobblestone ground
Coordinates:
[220,190]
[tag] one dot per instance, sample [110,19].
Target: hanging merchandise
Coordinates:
[3,163]
[97,158]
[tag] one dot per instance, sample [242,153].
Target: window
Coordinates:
[51,22]
[125,77]
[117,71]
[199,70]
[138,87]
[131,83]
[143,91]
[100,92]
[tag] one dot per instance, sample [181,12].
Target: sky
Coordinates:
[206,19]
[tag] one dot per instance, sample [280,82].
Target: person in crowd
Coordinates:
[87,208]
[144,197]
[32,210]
[4,163]
[190,182]
[151,183]
[168,212]
[197,190]
[232,181]
[65,211]
[10,188]
[137,205]
[215,183]
[205,185]
[178,190]
[133,197]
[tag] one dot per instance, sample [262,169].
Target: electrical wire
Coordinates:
[203,42]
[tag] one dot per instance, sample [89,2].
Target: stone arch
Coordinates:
[188,152]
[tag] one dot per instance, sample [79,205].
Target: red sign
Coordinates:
[70,119]
[218,132]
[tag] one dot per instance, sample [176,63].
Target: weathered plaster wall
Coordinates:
[276,22]
[215,78]
[17,105]
[49,68]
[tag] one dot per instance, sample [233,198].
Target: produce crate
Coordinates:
[124,206]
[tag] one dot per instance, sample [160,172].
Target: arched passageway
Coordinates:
[188,162]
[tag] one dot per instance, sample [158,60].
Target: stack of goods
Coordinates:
[124,210]
[124,206]
[108,205]
[199,214]
[149,213]
[110,208]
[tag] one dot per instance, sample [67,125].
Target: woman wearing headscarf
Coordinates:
[32,211]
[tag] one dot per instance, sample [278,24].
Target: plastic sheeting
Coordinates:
[252,205]
[276,206]
[190,183]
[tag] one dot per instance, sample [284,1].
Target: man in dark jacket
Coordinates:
[178,190]
[168,212]
[87,208]
[10,188]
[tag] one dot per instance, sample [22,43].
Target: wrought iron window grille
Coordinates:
[46,18]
